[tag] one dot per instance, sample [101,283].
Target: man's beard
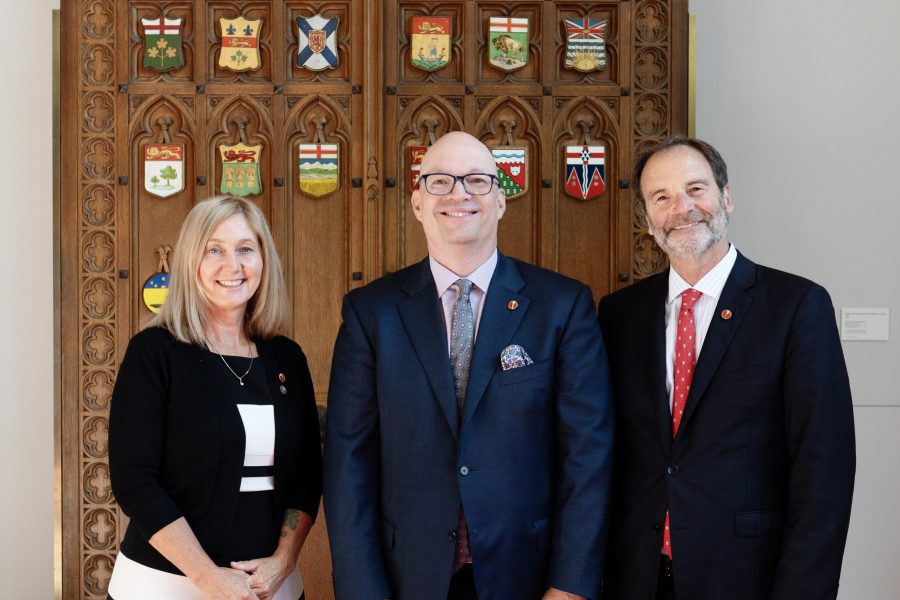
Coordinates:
[709,231]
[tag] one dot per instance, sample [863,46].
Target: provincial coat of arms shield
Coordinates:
[240,44]
[317,168]
[156,288]
[240,169]
[585,171]
[512,169]
[317,43]
[416,154]
[586,44]
[508,43]
[430,48]
[163,169]
[162,44]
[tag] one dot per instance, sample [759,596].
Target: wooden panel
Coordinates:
[376,105]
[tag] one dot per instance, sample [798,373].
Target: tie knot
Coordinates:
[465,287]
[689,298]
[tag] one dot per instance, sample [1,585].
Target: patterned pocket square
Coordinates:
[513,357]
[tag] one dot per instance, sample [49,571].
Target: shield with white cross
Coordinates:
[317,43]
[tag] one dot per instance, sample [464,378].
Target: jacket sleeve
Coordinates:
[818,414]
[310,459]
[351,466]
[585,422]
[136,428]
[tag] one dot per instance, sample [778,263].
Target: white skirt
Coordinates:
[134,581]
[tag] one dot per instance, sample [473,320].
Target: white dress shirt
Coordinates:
[444,280]
[711,287]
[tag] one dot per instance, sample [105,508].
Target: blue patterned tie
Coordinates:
[462,340]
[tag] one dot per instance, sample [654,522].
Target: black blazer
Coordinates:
[529,458]
[177,451]
[760,477]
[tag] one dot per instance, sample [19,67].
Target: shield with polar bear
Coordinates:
[511,169]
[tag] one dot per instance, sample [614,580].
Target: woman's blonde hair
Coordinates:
[183,313]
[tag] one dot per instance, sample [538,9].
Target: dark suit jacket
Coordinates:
[760,477]
[177,451]
[535,441]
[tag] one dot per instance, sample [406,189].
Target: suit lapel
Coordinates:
[423,319]
[495,330]
[654,335]
[721,331]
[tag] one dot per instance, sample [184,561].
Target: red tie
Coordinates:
[683,373]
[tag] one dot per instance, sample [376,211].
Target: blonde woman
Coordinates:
[214,438]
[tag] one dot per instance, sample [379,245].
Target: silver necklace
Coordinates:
[240,378]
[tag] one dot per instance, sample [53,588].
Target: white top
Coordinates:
[259,449]
[710,286]
[444,279]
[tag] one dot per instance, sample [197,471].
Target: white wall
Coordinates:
[802,100]
[26,303]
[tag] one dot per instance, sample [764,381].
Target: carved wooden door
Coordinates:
[375,105]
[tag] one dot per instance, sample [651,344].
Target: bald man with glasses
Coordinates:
[469,416]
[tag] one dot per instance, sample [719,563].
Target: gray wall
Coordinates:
[26,305]
[802,100]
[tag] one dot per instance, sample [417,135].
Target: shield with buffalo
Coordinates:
[508,43]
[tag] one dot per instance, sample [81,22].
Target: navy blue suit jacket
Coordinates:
[759,480]
[529,458]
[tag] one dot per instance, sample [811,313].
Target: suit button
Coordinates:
[451,535]
[655,527]
[464,470]
[673,470]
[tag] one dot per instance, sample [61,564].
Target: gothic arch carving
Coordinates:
[577,109]
[230,120]
[411,129]
[507,107]
[302,129]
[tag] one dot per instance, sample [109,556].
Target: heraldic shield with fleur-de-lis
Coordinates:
[240,44]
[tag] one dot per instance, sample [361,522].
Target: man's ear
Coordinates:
[416,203]
[726,199]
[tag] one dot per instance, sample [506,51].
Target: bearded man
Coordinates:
[735,451]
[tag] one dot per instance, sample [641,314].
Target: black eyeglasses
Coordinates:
[440,184]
